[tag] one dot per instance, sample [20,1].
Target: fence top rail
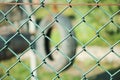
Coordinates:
[72,4]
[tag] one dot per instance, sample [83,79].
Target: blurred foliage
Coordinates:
[94,20]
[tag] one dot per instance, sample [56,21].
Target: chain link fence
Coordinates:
[65,40]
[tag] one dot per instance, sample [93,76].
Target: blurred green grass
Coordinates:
[83,33]
[87,30]
[22,70]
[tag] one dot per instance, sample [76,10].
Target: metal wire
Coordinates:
[62,4]
[94,24]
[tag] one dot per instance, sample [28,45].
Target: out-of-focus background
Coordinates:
[97,33]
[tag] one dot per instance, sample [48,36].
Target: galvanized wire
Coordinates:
[83,27]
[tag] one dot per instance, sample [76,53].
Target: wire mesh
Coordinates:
[94,25]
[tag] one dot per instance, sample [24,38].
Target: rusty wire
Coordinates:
[63,4]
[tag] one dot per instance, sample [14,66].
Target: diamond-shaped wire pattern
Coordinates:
[64,40]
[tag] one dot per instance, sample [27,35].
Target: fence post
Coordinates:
[33,64]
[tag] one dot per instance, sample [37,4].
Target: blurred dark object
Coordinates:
[106,76]
[17,44]
[13,13]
